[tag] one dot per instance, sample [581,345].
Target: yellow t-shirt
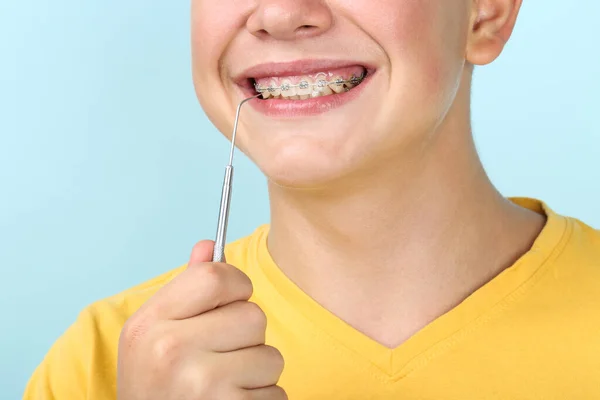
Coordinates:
[533,332]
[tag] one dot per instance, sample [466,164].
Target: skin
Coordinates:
[385,196]
[356,200]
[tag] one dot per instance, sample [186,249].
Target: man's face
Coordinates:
[413,52]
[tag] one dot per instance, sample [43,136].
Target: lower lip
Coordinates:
[307,107]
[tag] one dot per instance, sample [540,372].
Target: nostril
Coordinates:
[306,29]
[262,34]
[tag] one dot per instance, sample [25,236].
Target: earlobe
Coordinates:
[491,27]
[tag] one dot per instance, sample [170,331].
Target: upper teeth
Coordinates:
[308,88]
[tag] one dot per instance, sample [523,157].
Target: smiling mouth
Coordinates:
[326,83]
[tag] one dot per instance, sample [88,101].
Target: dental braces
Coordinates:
[318,86]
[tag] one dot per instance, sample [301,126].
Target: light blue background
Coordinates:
[110,172]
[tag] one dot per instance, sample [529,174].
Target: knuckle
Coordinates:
[278,393]
[210,273]
[281,394]
[275,357]
[278,359]
[165,349]
[203,380]
[219,279]
[243,284]
[255,316]
[212,278]
[247,283]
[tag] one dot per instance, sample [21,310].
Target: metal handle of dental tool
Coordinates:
[221,236]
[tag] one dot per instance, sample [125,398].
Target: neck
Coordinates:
[410,241]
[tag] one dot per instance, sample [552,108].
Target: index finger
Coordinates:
[201,287]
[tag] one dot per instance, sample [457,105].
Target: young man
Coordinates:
[392,267]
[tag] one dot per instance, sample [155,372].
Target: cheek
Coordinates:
[425,41]
[429,40]
[213,24]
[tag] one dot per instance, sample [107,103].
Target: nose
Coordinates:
[289,19]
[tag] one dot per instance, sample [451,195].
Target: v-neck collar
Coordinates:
[481,306]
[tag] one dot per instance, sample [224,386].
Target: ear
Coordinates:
[492,24]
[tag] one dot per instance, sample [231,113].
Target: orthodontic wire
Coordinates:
[321,83]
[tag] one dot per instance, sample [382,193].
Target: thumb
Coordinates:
[202,252]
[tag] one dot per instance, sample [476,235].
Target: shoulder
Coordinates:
[572,271]
[82,362]
[582,246]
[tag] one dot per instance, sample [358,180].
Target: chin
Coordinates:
[303,178]
[301,169]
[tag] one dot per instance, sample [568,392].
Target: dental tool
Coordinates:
[219,249]
[318,86]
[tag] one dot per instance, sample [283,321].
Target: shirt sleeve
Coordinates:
[82,363]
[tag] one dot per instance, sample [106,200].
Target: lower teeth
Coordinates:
[316,93]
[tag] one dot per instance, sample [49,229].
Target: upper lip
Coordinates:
[294,68]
